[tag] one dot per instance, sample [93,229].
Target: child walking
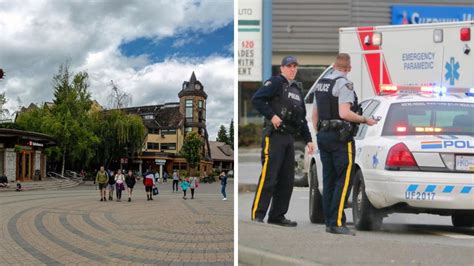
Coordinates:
[185,186]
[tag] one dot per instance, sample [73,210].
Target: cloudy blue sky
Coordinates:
[148,48]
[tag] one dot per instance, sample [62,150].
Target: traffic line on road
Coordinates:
[452,235]
[252,256]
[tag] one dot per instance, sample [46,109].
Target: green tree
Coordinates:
[231,133]
[222,135]
[192,150]
[38,120]
[71,123]
[120,134]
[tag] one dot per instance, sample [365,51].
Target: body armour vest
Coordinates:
[289,107]
[328,104]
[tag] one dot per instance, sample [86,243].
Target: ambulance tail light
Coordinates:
[465,34]
[400,158]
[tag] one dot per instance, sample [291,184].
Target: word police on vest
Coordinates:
[324,87]
[294,96]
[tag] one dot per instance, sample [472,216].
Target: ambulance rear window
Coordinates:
[429,118]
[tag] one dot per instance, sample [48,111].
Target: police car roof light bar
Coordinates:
[386,89]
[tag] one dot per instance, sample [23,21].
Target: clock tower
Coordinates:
[192,105]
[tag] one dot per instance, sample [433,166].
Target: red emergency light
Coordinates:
[465,34]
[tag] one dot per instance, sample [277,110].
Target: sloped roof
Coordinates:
[165,115]
[169,117]
[221,151]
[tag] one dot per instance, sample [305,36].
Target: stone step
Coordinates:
[47,184]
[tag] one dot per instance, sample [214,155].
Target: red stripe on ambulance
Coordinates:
[373,60]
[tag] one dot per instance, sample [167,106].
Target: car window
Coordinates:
[429,118]
[368,108]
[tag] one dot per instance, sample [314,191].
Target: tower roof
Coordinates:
[193,87]
[193,78]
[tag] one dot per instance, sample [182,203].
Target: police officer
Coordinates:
[280,101]
[336,119]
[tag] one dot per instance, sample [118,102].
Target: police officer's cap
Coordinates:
[288,60]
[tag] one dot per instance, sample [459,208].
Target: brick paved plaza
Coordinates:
[73,227]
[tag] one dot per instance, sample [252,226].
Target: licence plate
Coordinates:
[465,163]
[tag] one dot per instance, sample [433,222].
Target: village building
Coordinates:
[22,156]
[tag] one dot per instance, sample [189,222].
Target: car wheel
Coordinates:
[316,214]
[299,163]
[365,215]
[463,219]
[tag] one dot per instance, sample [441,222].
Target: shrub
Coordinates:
[250,135]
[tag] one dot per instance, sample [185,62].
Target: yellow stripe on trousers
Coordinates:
[262,178]
[346,184]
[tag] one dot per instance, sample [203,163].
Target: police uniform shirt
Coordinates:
[273,88]
[343,88]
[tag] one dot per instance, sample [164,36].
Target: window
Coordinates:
[153,131]
[188,129]
[430,118]
[200,116]
[189,110]
[170,131]
[153,146]
[200,104]
[148,117]
[168,146]
[368,108]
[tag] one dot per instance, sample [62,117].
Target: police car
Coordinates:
[419,158]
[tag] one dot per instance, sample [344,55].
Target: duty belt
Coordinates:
[333,124]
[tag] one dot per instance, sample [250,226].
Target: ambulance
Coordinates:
[419,81]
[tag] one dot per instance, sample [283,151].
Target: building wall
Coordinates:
[157,138]
[312,25]
[10,164]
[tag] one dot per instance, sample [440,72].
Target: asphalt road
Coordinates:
[405,239]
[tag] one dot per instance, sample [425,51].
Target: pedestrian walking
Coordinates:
[223,179]
[157,177]
[149,181]
[119,184]
[280,101]
[185,186]
[193,184]
[102,178]
[130,180]
[165,177]
[175,180]
[335,118]
[111,185]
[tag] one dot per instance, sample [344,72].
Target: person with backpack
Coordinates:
[102,179]
[149,181]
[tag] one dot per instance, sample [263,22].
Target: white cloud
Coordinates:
[38,36]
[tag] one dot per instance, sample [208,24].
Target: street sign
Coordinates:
[160,161]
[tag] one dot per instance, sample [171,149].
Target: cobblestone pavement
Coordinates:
[73,227]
